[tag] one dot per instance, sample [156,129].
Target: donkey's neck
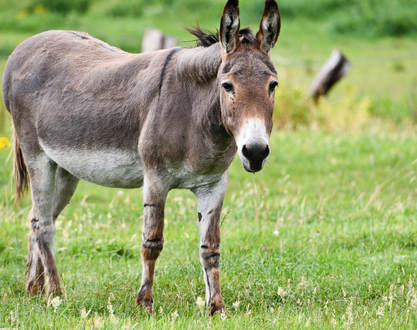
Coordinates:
[201,64]
[199,67]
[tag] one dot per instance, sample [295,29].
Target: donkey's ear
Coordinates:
[229,27]
[268,32]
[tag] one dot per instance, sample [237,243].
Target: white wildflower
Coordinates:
[276,233]
[349,313]
[281,292]
[56,302]
[12,318]
[236,305]
[200,304]
[401,290]
[84,314]
[127,325]
[381,311]
[174,316]
[110,307]
[413,304]
[113,318]
[344,293]
[223,315]
[391,295]
[248,311]
[98,321]
[303,282]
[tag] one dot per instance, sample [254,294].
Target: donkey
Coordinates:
[168,119]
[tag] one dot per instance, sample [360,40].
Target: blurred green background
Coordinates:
[378,37]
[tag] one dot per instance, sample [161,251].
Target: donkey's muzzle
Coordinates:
[256,155]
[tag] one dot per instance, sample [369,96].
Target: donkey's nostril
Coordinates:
[245,151]
[266,152]
[255,152]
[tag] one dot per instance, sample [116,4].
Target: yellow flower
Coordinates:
[4,142]
[39,9]
[22,14]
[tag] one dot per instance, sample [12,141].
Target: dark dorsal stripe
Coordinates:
[168,58]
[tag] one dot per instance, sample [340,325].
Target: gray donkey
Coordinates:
[167,119]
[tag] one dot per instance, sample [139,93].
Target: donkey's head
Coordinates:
[248,80]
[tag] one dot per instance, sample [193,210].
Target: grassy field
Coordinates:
[324,237]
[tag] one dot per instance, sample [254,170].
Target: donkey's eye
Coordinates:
[228,87]
[272,86]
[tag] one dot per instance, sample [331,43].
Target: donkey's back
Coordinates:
[82,103]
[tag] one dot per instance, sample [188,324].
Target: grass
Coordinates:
[323,237]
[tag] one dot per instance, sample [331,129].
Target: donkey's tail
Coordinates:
[19,170]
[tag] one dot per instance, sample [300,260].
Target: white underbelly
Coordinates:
[110,168]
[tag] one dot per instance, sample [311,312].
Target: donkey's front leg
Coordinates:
[209,206]
[154,196]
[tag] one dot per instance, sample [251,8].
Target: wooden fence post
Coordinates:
[330,73]
[155,40]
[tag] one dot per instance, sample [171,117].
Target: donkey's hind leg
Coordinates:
[35,271]
[65,185]
[42,180]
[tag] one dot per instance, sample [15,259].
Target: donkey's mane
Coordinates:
[206,38]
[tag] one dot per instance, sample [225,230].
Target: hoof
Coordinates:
[145,300]
[217,308]
[54,292]
[36,288]
[147,305]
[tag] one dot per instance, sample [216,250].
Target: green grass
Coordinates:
[344,207]
[331,220]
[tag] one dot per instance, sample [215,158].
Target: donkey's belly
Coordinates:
[110,168]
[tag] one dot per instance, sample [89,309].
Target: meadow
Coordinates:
[324,237]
